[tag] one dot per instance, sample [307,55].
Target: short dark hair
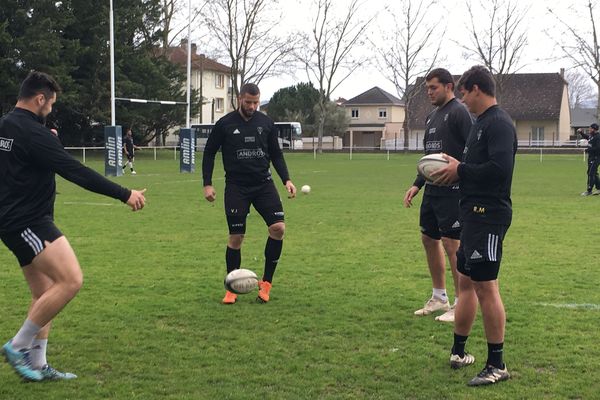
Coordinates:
[36,83]
[442,75]
[250,88]
[594,126]
[480,76]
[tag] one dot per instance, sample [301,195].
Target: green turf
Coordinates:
[148,323]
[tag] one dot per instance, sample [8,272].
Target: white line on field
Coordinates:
[85,203]
[574,306]
[186,181]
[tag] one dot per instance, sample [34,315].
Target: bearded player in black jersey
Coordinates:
[485,176]
[447,129]
[30,156]
[249,143]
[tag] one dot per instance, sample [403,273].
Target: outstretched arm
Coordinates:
[47,151]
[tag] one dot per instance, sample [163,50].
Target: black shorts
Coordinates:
[480,250]
[439,217]
[29,242]
[263,197]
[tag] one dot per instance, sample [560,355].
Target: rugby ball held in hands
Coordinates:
[429,164]
[241,281]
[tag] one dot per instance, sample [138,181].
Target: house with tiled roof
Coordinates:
[376,117]
[538,104]
[211,78]
[582,118]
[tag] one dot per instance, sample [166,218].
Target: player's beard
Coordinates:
[247,113]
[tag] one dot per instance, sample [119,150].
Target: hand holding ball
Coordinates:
[429,164]
[305,189]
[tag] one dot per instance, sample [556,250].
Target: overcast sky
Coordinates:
[540,56]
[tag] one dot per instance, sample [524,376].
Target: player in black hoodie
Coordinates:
[30,156]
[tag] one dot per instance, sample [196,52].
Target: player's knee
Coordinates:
[73,284]
[235,241]
[277,230]
[451,247]
[485,290]
[429,240]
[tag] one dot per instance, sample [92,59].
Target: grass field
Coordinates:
[148,323]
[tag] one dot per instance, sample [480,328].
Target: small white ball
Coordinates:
[305,189]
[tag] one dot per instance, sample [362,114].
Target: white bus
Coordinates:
[290,134]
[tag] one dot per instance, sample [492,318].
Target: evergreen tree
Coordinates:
[295,103]
[69,40]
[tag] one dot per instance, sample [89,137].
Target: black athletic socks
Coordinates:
[459,345]
[272,254]
[233,259]
[495,352]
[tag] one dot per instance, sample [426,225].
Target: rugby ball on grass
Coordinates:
[241,281]
[429,164]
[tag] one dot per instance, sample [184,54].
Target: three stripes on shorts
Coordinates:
[33,241]
[492,247]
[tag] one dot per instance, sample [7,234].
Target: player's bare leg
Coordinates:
[464,316]
[54,277]
[451,247]
[492,310]
[436,262]
[58,263]
[39,283]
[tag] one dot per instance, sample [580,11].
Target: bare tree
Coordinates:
[171,30]
[498,41]
[327,53]
[582,46]
[408,52]
[581,92]
[244,29]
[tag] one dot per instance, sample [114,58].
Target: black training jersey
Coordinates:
[593,148]
[447,129]
[487,167]
[128,143]
[30,155]
[248,148]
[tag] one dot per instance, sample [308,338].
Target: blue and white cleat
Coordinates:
[21,362]
[51,374]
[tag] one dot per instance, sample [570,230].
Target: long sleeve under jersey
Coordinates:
[30,156]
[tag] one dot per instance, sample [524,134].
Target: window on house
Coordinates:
[537,133]
[354,113]
[383,113]
[219,104]
[219,81]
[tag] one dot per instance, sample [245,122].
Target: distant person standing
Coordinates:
[249,143]
[485,176]
[447,130]
[129,149]
[593,152]
[30,156]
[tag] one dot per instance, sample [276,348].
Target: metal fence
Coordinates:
[335,146]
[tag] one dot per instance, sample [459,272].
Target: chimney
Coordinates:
[194,48]
[183,43]
[562,73]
